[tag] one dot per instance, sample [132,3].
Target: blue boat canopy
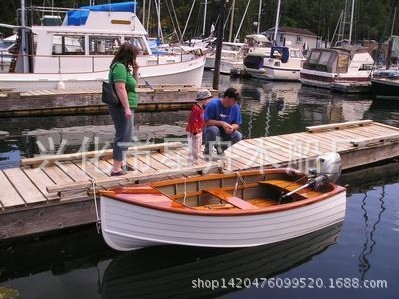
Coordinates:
[79,17]
[283,52]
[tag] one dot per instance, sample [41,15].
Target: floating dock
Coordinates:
[47,193]
[88,100]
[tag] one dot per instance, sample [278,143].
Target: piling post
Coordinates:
[219,44]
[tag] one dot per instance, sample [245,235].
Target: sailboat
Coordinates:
[96,32]
[281,63]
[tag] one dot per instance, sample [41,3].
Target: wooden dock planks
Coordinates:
[358,144]
[24,186]
[9,197]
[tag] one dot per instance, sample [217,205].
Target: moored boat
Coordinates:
[385,84]
[346,69]
[283,64]
[241,209]
[231,59]
[79,52]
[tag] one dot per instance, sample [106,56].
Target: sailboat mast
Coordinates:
[351,23]
[277,21]
[259,12]
[232,19]
[393,20]
[204,23]
[23,38]
[143,13]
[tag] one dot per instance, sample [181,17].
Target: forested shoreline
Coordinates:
[373,18]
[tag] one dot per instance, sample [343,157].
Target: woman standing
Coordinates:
[125,82]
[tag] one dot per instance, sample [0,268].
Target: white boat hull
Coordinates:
[128,226]
[182,73]
[278,74]
[226,66]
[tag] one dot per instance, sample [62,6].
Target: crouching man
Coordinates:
[222,120]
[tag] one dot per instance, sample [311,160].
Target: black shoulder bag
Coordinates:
[109,95]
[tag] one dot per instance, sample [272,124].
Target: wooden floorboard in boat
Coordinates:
[262,202]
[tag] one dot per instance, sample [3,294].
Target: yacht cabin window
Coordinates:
[103,45]
[68,45]
[138,42]
[296,54]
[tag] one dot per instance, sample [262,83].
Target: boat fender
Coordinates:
[60,85]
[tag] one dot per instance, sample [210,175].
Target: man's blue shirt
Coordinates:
[215,110]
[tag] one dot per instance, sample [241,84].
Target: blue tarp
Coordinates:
[79,17]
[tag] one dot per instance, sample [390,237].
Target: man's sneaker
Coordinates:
[220,151]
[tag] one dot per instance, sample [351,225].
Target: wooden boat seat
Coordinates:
[288,186]
[233,200]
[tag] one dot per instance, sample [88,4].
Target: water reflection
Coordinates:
[172,271]
[370,242]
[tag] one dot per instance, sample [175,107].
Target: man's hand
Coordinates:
[227,128]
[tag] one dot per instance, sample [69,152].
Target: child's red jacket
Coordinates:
[196,120]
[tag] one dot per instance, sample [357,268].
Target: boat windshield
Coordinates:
[295,53]
[6,45]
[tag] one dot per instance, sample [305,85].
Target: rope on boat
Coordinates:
[239,178]
[185,191]
[98,220]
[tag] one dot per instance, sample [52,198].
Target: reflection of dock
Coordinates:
[58,194]
[169,271]
[88,100]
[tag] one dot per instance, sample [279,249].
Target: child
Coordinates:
[195,125]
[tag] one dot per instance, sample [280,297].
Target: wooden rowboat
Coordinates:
[220,210]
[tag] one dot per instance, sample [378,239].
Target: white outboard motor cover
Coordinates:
[328,165]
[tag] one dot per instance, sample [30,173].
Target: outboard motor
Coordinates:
[327,168]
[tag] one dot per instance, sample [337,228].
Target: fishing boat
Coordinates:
[385,84]
[170,271]
[283,63]
[347,68]
[79,52]
[242,209]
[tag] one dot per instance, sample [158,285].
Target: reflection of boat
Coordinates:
[170,271]
[346,68]
[79,52]
[243,209]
